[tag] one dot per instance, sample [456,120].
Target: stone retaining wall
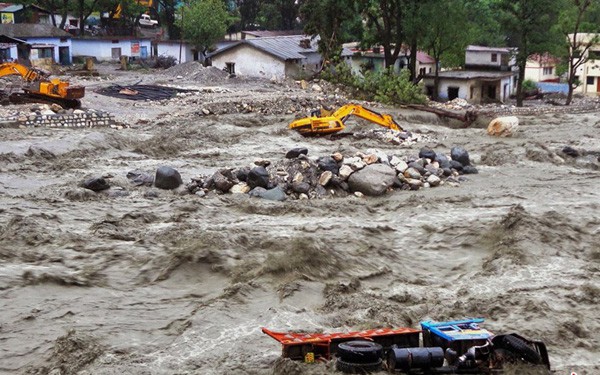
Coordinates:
[76,119]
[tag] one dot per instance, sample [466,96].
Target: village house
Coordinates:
[294,56]
[541,68]
[43,45]
[111,48]
[489,76]
[373,59]
[588,74]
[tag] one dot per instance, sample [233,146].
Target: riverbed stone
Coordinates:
[469,169]
[325,178]
[427,153]
[460,155]
[327,163]
[504,126]
[345,171]
[95,184]
[274,194]
[456,165]
[433,180]
[295,152]
[412,173]
[167,178]
[300,187]
[140,178]
[373,180]
[239,188]
[258,177]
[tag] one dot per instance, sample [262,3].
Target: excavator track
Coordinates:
[23,97]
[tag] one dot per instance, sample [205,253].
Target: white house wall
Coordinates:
[173,49]
[250,62]
[101,49]
[55,42]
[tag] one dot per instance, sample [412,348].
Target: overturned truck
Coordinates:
[452,347]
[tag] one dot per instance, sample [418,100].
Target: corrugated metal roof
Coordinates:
[487,49]
[282,47]
[31,30]
[12,8]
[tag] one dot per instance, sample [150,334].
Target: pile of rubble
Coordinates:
[53,115]
[299,177]
[196,72]
[373,174]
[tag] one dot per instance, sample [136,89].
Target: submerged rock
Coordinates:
[460,155]
[275,194]
[295,152]
[95,184]
[167,178]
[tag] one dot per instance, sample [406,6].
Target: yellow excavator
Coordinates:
[39,87]
[322,122]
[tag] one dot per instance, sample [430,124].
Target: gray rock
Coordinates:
[427,153]
[456,165]
[167,178]
[258,177]
[469,169]
[95,184]
[412,173]
[327,163]
[275,194]
[460,155]
[570,151]
[301,187]
[242,174]
[372,180]
[295,152]
[443,160]
[222,183]
[325,178]
[401,166]
[433,180]
[346,171]
[140,178]
[418,166]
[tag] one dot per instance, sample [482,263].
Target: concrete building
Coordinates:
[489,76]
[270,57]
[112,48]
[541,68]
[588,74]
[373,59]
[182,52]
[46,44]
[489,58]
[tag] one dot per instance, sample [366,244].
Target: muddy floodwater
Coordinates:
[138,280]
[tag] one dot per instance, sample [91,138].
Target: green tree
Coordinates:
[384,25]
[446,34]
[529,28]
[575,21]
[203,23]
[334,21]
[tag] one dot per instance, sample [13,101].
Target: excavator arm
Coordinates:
[325,122]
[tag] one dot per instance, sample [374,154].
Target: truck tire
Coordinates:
[359,351]
[520,347]
[357,368]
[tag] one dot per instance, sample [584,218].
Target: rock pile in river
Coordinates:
[372,173]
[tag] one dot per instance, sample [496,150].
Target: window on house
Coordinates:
[548,71]
[44,53]
[590,80]
[494,57]
[594,55]
[115,41]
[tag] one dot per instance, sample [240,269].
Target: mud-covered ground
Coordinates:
[138,280]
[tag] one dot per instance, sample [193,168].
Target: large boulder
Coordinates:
[503,126]
[258,177]
[460,155]
[373,179]
[167,178]
[427,153]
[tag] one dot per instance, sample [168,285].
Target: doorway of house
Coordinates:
[63,56]
[453,92]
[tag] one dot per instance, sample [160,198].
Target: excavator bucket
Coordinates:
[75,92]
